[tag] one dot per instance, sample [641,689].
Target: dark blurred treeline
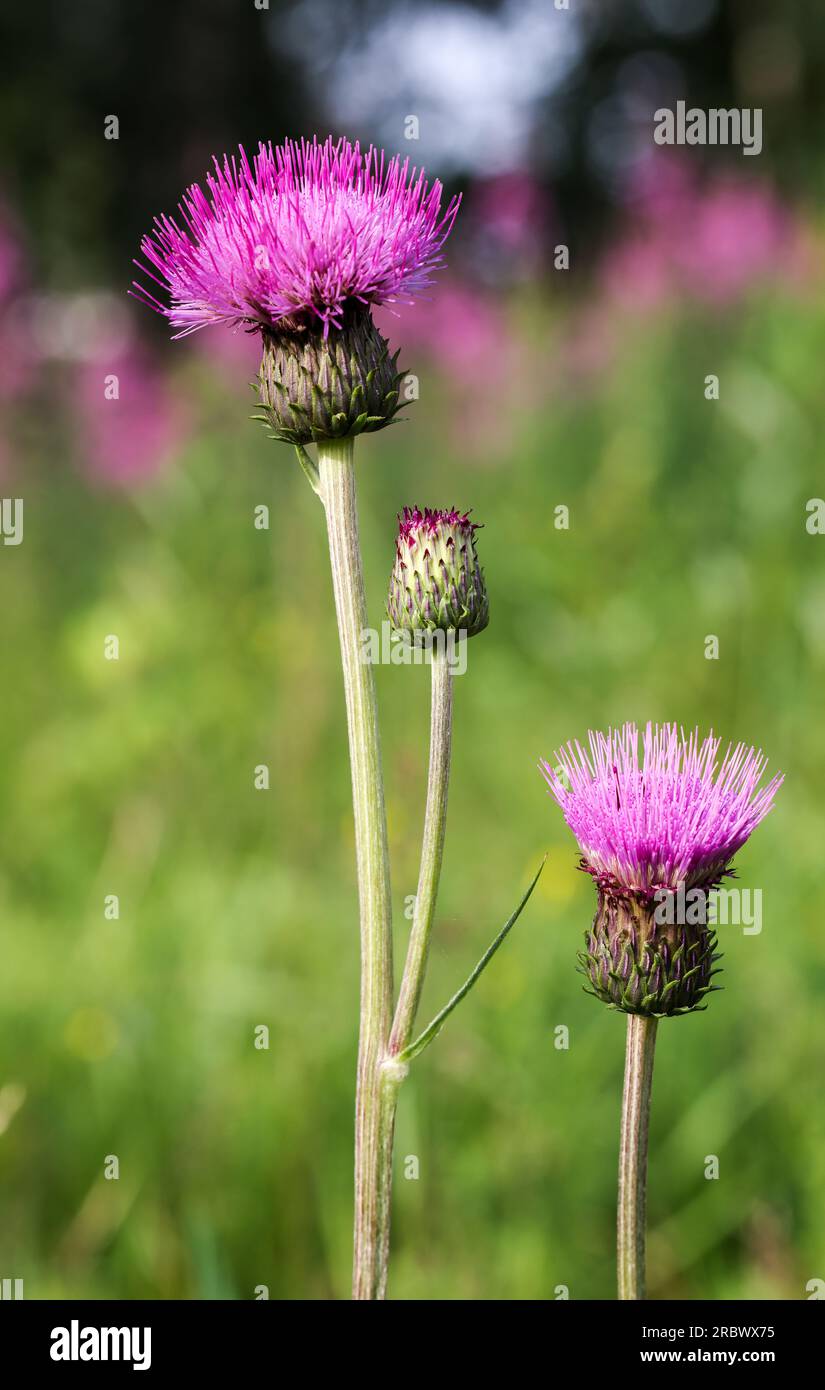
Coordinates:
[188,78]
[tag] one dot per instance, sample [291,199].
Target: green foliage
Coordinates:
[433,1028]
[136,1036]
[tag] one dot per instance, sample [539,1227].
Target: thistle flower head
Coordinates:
[437,582]
[676,816]
[657,834]
[295,237]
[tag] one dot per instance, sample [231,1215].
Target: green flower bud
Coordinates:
[437,582]
[314,387]
[640,962]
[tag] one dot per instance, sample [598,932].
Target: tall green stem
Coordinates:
[638,1081]
[373,1117]
[432,852]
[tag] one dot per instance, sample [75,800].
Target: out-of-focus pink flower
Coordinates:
[19,359]
[661,189]
[11,257]
[741,235]
[464,333]
[7,459]
[18,354]
[234,356]
[638,272]
[711,241]
[590,347]
[462,330]
[509,218]
[128,419]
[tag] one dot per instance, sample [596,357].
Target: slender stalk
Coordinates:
[373,1117]
[638,1081]
[432,852]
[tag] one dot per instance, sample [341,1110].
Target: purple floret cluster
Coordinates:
[295,237]
[674,815]
[415,524]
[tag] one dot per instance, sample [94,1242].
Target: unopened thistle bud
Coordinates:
[437,583]
[657,838]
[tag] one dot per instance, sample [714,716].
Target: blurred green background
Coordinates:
[539,388]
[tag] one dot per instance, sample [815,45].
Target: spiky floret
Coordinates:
[295,236]
[678,817]
[437,582]
[650,833]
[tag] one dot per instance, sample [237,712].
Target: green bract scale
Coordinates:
[315,388]
[639,962]
[437,583]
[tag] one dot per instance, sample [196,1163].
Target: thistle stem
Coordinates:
[638,1081]
[432,851]
[374,1115]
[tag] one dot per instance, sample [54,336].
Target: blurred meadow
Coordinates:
[540,388]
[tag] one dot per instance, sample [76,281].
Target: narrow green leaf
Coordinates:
[310,468]
[434,1028]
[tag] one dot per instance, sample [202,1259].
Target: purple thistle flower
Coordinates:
[657,837]
[679,817]
[297,236]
